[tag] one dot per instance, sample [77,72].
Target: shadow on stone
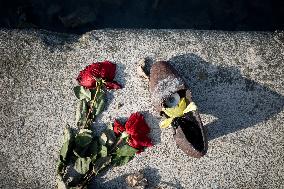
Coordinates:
[236,102]
[151,174]
[120,72]
[155,129]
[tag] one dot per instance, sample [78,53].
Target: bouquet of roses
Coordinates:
[85,153]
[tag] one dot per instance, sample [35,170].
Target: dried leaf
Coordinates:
[136,180]
[141,69]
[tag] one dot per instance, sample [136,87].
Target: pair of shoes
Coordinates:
[169,91]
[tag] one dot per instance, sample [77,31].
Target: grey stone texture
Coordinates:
[236,79]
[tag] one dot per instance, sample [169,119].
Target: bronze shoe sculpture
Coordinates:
[172,98]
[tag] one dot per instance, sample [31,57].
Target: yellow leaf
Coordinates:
[176,111]
[191,107]
[166,123]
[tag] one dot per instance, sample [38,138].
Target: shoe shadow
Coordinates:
[236,102]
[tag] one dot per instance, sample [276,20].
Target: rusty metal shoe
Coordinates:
[189,133]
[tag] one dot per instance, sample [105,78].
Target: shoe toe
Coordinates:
[164,81]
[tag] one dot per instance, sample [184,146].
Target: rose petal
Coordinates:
[139,142]
[112,85]
[86,78]
[144,141]
[106,70]
[96,69]
[136,125]
[118,128]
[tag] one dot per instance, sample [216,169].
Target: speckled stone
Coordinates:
[236,79]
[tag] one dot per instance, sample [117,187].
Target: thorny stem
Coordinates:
[89,177]
[92,173]
[98,88]
[118,143]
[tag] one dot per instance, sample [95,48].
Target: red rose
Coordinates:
[86,78]
[112,85]
[118,128]
[139,142]
[104,70]
[136,125]
[137,130]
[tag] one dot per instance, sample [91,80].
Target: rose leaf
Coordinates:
[81,112]
[93,149]
[60,167]
[103,151]
[67,144]
[82,165]
[82,93]
[99,104]
[101,163]
[103,139]
[121,160]
[83,139]
[110,136]
[126,150]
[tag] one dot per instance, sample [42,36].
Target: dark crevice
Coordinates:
[73,16]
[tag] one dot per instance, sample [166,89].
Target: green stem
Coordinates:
[88,179]
[118,143]
[98,88]
[89,176]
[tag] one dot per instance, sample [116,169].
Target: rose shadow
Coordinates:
[153,122]
[120,78]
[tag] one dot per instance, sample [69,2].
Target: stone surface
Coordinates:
[236,79]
